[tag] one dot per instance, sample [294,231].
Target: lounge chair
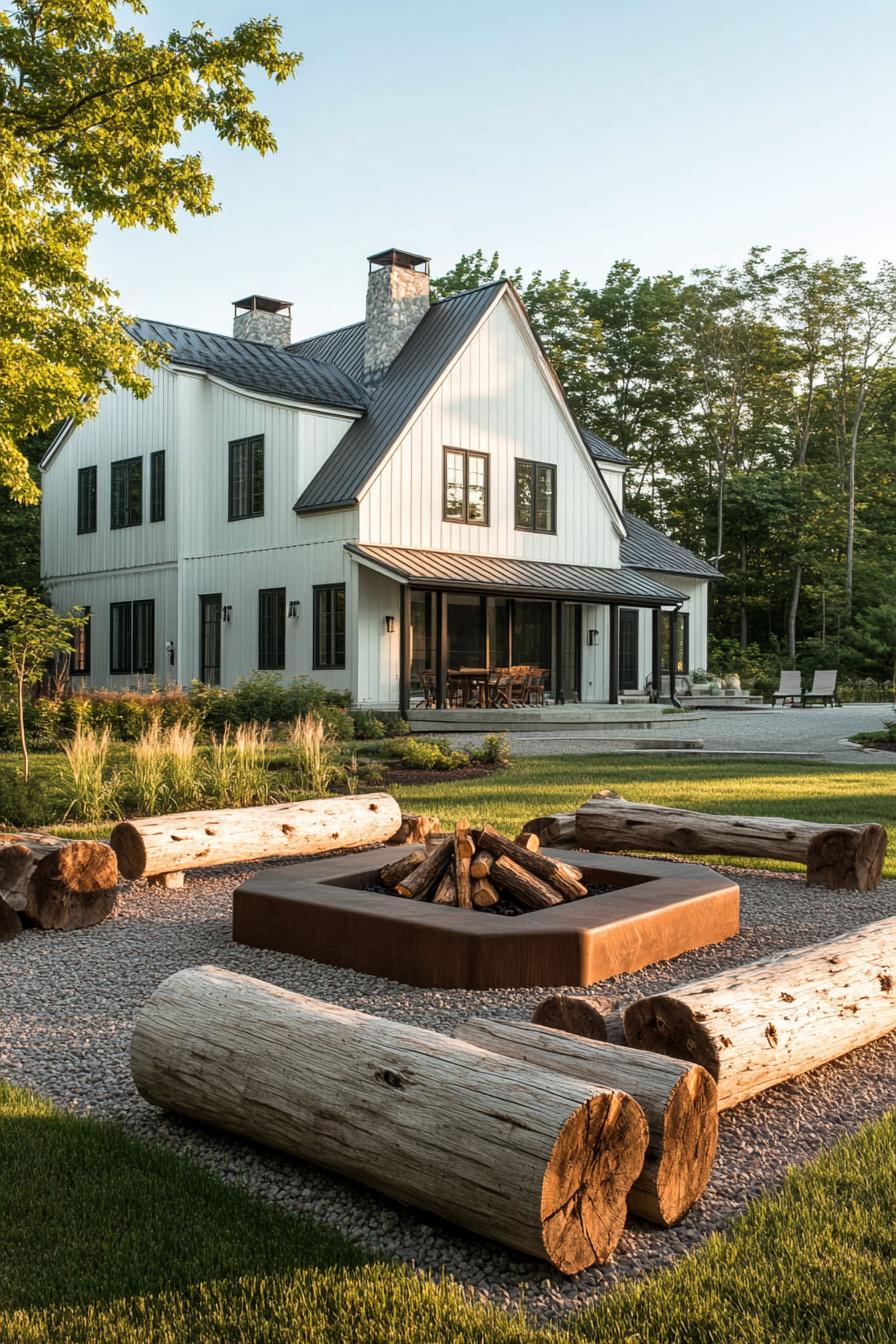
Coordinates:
[824,688]
[790,687]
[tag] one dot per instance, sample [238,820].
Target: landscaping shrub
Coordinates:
[368,726]
[181,768]
[436,753]
[93,795]
[263,698]
[147,775]
[495,750]
[24,804]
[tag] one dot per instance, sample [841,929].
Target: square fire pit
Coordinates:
[324,910]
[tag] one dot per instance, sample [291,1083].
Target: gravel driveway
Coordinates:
[68,1003]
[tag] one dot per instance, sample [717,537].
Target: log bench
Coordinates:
[847,858]
[162,848]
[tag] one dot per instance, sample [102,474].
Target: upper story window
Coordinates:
[466,487]
[87,499]
[271,628]
[79,664]
[329,625]
[536,496]
[157,487]
[245,489]
[132,637]
[127,492]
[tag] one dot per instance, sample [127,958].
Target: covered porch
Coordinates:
[478,633]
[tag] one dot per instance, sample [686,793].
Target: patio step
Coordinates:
[598,719]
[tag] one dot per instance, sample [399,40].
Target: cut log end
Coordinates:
[575,1013]
[130,850]
[847,858]
[595,1161]
[691,1132]
[668,1027]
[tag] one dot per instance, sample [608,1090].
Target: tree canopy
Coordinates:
[93,120]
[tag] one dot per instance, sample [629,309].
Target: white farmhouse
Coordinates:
[375,507]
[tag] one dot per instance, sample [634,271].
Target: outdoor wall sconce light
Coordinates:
[592,636]
[294,610]
[169,649]
[226,613]
[390,624]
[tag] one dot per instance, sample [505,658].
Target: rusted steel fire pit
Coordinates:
[325,910]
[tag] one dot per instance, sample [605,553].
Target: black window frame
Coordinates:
[157,486]
[466,454]
[79,662]
[132,497]
[334,661]
[520,464]
[87,497]
[271,629]
[253,448]
[124,642]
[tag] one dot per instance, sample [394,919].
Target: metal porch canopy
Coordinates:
[452,572]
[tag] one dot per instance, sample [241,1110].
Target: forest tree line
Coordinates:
[757,406]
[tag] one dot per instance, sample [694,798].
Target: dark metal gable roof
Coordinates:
[343,347]
[439,336]
[647,548]
[254,366]
[600,449]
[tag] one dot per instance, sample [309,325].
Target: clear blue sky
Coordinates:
[672,132]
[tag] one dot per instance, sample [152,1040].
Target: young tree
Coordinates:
[92,118]
[31,634]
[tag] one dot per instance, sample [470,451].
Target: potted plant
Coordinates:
[699,680]
[714,686]
[732,684]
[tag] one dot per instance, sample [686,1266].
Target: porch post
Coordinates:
[404,651]
[656,664]
[673,652]
[614,653]
[559,688]
[441,650]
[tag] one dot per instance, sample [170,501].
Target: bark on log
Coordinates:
[446,889]
[394,872]
[421,879]
[563,876]
[557,831]
[151,845]
[414,829]
[57,884]
[482,863]
[761,1024]
[679,1101]
[595,1019]
[485,894]
[10,924]
[464,849]
[524,886]
[845,857]
[527,1156]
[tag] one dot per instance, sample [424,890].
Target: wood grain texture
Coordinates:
[540,1161]
[678,1100]
[844,857]
[147,846]
[761,1024]
[54,883]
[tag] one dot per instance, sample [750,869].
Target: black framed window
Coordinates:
[79,663]
[536,496]
[132,637]
[87,499]
[329,625]
[127,492]
[245,487]
[157,487]
[271,628]
[465,487]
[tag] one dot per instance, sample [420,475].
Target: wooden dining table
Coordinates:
[474,681]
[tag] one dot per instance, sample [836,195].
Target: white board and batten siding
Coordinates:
[696,602]
[494,399]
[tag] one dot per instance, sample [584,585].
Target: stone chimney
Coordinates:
[267,321]
[397,300]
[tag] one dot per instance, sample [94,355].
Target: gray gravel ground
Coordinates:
[68,1002]
[815,733]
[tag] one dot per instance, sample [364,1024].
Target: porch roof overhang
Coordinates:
[451,572]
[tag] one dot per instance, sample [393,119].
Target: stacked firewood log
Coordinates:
[478,869]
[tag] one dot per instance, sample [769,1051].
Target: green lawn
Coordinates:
[107,1241]
[532,786]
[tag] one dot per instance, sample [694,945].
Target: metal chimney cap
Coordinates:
[395,256]
[258,303]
